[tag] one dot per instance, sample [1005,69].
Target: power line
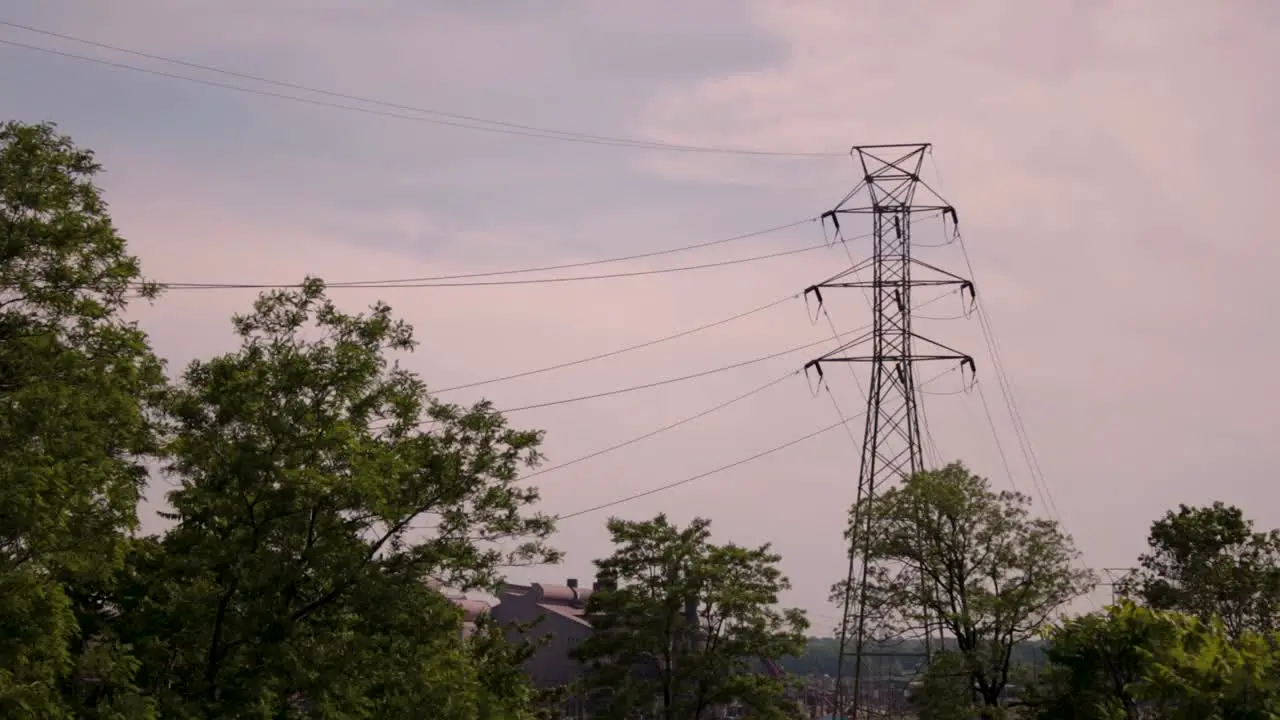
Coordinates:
[843,421]
[664,428]
[395,110]
[602,261]
[1003,381]
[619,351]
[666,381]
[429,283]
[652,433]
[995,436]
[1007,393]
[672,485]
[700,476]
[1020,433]
[523,270]
[930,444]
[852,373]
[694,376]
[658,431]
[696,416]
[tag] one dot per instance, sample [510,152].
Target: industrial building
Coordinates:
[553,612]
[556,616]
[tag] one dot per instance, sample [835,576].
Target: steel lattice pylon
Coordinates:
[891,445]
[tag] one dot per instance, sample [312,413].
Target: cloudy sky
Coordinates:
[1111,163]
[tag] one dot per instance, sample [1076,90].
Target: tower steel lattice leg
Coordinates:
[891,445]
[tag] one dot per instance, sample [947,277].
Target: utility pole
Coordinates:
[891,445]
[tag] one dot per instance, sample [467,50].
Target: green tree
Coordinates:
[1098,660]
[944,549]
[1210,562]
[944,692]
[76,383]
[312,504]
[1132,662]
[683,622]
[1211,674]
[504,690]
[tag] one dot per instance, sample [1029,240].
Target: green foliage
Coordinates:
[945,692]
[293,581]
[297,564]
[505,692]
[685,624]
[820,655]
[946,549]
[1209,562]
[1135,662]
[76,384]
[1097,661]
[322,494]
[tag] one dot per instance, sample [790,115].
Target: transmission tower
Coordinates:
[891,445]
[1118,579]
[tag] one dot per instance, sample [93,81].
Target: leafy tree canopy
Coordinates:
[944,692]
[312,504]
[900,657]
[76,384]
[1210,562]
[686,624]
[1132,662]
[945,550]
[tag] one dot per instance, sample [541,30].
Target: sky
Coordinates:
[1112,164]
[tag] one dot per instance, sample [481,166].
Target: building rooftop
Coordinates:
[567,601]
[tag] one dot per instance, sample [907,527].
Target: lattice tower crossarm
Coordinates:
[891,445]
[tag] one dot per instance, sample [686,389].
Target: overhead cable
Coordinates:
[651,343]
[666,381]
[620,351]
[393,110]
[601,261]
[1005,385]
[668,486]
[700,374]
[670,426]
[842,422]
[700,476]
[378,285]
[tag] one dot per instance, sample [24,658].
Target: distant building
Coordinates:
[534,611]
[555,616]
[555,612]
